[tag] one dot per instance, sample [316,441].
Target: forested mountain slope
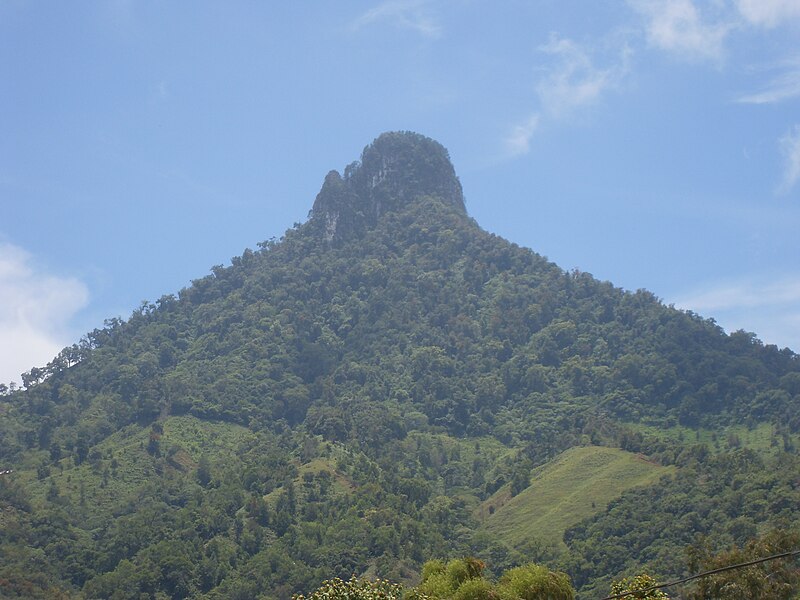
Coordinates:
[343,399]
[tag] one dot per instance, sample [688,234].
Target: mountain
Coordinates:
[385,384]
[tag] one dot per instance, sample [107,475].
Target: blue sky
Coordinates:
[652,144]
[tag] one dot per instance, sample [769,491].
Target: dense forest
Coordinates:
[385,385]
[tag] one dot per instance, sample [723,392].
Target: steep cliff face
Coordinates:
[397,168]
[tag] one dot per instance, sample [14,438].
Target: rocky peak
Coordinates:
[397,168]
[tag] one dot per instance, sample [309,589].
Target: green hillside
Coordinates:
[118,468]
[353,397]
[578,483]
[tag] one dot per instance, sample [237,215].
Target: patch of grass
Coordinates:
[98,484]
[122,465]
[341,483]
[576,484]
[197,437]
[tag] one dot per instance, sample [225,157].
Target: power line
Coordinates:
[705,574]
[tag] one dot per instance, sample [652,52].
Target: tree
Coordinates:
[32,377]
[52,491]
[535,582]
[520,477]
[154,446]
[355,589]
[81,449]
[776,579]
[204,471]
[55,452]
[440,580]
[462,579]
[637,585]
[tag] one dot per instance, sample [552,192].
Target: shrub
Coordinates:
[535,582]
[355,589]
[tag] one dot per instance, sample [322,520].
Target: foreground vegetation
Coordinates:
[465,579]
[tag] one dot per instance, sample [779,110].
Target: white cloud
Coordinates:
[575,81]
[572,81]
[678,27]
[35,308]
[771,309]
[790,147]
[784,86]
[769,13]
[519,140]
[408,14]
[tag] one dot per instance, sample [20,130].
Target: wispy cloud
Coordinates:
[519,140]
[158,94]
[748,293]
[790,148]
[770,308]
[769,13]
[784,86]
[571,81]
[406,14]
[575,81]
[35,308]
[678,27]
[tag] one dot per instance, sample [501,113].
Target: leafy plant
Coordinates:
[355,589]
[638,587]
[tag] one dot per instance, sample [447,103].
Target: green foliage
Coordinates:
[575,485]
[475,589]
[778,579]
[726,498]
[346,399]
[432,568]
[355,589]
[535,582]
[442,580]
[638,587]
[204,471]
[462,579]
[459,578]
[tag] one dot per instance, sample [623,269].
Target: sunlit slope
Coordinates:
[571,487]
[120,467]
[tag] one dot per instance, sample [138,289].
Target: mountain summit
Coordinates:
[397,168]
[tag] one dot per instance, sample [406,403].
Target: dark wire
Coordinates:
[704,574]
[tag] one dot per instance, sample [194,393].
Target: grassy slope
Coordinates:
[571,487]
[188,436]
